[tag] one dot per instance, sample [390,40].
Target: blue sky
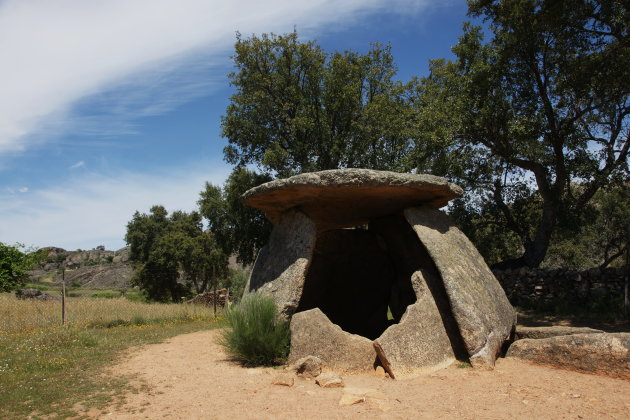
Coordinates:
[110,107]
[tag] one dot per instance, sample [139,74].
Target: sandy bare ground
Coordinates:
[188,377]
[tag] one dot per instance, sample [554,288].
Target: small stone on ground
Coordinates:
[284,379]
[308,367]
[329,380]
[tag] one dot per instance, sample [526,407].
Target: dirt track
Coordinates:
[188,377]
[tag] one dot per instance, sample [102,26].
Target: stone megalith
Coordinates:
[369,272]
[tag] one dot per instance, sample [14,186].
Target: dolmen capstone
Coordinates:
[370,273]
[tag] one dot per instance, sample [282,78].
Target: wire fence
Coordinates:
[20,315]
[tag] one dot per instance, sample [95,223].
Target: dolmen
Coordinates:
[370,273]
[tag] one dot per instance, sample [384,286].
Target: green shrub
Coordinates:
[255,335]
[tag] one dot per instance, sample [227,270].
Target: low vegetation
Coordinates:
[48,368]
[256,335]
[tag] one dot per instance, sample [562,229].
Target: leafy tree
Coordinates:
[239,230]
[537,111]
[600,238]
[13,266]
[299,109]
[173,254]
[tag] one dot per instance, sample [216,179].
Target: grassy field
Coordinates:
[47,368]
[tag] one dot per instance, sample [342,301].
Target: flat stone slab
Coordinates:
[598,353]
[553,331]
[341,198]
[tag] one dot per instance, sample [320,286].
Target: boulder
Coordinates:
[281,265]
[349,197]
[479,305]
[554,331]
[312,333]
[598,353]
[309,366]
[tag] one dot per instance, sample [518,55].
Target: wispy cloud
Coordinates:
[133,58]
[11,190]
[97,208]
[79,164]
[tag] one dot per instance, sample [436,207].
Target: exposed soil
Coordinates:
[188,377]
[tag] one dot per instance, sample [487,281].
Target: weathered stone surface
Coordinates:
[479,305]
[284,379]
[554,331]
[419,342]
[281,266]
[329,380]
[600,353]
[312,333]
[309,366]
[349,197]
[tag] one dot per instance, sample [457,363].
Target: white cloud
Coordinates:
[23,189]
[55,53]
[79,164]
[92,209]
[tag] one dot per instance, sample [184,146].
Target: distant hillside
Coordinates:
[96,268]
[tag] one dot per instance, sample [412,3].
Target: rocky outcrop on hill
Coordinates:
[95,268]
[34,294]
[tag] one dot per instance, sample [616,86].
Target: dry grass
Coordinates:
[32,315]
[47,370]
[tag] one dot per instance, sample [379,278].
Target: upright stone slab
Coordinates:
[281,266]
[482,311]
[419,343]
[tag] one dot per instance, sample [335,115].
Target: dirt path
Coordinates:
[189,378]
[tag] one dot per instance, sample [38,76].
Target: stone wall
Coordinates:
[544,288]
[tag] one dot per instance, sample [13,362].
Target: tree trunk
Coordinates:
[536,249]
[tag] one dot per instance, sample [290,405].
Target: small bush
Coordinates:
[255,335]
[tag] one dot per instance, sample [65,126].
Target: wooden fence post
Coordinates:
[214,281]
[63,296]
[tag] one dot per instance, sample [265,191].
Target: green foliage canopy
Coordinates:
[299,109]
[167,248]
[13,266]
[539,108]
[239,230]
